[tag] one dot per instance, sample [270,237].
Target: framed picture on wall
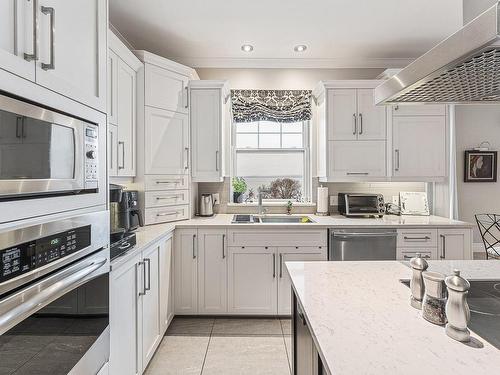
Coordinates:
[480,166]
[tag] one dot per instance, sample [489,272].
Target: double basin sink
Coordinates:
[249,219]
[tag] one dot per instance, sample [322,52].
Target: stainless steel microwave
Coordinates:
[356,204]
[43,152]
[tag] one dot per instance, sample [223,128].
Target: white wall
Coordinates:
[475,124]
[283,79]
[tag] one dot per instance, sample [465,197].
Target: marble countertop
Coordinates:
[144,236]
[224,220]
[362,323]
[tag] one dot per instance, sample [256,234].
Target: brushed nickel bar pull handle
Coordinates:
[281,265]
[194,246]
[274,266]
[187,157]
[396,152]
[111,143]
[187,98]
[223,246]
[169,197]
[217,161]
[122,166]
[52,12]
[417,238]
[355,130]
[33,56]
[169,182]
[149,274]
[143,293]
[360,124]
[443,255]
[423,256]
[357,173]
[19,126]
[167,214]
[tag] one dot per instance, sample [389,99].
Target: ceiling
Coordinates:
[338,33]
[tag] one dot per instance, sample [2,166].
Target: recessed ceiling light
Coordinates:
[247,48]
[300,48]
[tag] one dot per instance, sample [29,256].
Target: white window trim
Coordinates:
[306,149]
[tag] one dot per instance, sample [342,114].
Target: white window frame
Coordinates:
[305,150]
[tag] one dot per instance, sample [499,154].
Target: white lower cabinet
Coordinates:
[455,244]
[185,272]
[212,271]
[252,280]
[290,254]
[125,318]
[139,293]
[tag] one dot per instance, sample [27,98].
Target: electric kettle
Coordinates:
[206,205]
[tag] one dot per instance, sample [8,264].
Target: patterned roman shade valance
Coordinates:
[271,105]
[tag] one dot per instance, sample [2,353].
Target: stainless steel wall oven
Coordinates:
[54,297]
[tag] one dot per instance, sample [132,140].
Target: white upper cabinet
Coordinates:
[419,147]
[18,49]
[209,125]
[167,137]
[372,119]
[419,110]
[72,47]
[342,114]
[356,160]
[352,115]
[123,66]
[166,89]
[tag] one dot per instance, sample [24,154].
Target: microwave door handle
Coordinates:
[58,287]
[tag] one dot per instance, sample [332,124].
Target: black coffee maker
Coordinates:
[125,216]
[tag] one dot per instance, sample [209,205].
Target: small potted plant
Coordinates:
[239,187]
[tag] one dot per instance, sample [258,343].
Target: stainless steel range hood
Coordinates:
[462,69]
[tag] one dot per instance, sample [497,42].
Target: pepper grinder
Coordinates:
[457,308]
[418,265]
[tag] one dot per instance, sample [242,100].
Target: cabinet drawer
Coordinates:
[166,214]
[273,237]
[320,251]
[166,182]
[408,253]
[417,237]
[419,110]
[166,198]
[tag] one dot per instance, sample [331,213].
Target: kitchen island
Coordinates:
[360,322]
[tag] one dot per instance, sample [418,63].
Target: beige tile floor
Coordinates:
[224,346]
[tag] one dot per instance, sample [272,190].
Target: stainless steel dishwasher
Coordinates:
[362,244]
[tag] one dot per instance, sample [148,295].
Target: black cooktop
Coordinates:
[484,304]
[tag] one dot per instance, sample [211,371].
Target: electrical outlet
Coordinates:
[395,200]
[216,198]
[334,200]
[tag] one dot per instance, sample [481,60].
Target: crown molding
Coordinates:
[259,63]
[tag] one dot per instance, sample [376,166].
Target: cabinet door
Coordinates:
[185,272]
[206,124]
[454,244]
[73,61]
[151,335]
[112,88]
[356,159]
[165,277]
[167,142]
[291,254]
[125,283]
[212,271]
[371,118]
[17,38]
[126,108]
[112,150]
[419,146]
[342,114]
[166,89]
[252,280]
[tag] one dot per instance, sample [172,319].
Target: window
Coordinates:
[273,157]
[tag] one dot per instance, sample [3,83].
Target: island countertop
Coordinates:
[362,323]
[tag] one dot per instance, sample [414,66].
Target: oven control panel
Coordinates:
[91,157]
[28,256]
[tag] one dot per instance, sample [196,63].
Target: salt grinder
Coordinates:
[457,308]
[418,265]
